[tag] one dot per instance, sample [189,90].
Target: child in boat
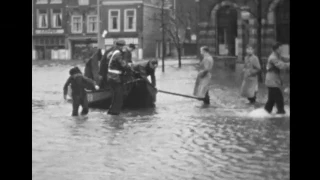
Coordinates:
[79,96]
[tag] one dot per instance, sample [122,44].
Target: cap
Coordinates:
[132,46]
[120,43]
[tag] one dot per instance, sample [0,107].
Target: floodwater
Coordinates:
[179,139]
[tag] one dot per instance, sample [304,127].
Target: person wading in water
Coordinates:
[116,68]
[249,87]
[273,80]
[79,96]
[146,69]
[201,88]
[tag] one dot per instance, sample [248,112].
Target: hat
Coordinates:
[74,70]
[120,43]
[132,46]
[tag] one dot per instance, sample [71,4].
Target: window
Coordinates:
[130,20]
[55,1]
[92,24]
[42,2]
[56,18]
[83,2]
[114,20]
[76,24]
[42,18]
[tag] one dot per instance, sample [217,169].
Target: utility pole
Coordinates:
[163,34]
[259,18]
[98,25]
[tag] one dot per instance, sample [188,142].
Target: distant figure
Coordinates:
[249,87]
[201,88]
[79,96]
[146,69]
[273,80]
[127,53]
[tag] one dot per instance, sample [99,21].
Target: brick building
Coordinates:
[48,32]
[82,27]
[132,21]
[224,29]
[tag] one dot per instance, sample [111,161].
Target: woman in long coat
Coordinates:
[201,88]
[249,87]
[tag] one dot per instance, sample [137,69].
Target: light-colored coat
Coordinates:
[274,65]
[204,77]
[250,80]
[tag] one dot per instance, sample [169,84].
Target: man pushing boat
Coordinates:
[116,68]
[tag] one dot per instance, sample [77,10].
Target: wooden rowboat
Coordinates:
[138,93]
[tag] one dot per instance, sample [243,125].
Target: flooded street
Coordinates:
[178,140]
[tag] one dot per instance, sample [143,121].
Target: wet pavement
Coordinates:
[179,139]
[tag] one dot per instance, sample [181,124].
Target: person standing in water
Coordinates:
[249,87]
[201,88]
[273,80]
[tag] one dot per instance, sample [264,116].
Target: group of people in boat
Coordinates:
[252,68]
[115,68]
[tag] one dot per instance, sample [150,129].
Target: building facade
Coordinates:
[82,27]
[226,30]
[48,32]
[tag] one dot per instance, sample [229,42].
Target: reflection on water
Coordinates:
[179,139]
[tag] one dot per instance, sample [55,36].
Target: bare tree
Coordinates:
[174,23]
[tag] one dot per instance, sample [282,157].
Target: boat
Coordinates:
[138,93]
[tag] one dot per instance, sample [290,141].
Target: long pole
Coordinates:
[163,34]
[98,25]
[259,35]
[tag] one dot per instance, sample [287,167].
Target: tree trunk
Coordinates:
[179,55]
[259,37]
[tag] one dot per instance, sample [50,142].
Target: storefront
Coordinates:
[82,48]
[137,54]
[49,44]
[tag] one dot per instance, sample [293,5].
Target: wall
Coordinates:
[208,28]
[151,30]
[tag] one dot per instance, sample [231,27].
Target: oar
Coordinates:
[182,95]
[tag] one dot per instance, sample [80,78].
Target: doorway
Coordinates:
[227,30]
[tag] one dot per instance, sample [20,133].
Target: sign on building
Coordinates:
[49,31]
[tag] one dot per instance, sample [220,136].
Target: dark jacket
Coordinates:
[274,66]
[127,56]
[78,84]
[91,69]
[145,71]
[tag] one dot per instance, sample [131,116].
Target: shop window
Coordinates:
[55,1]
[83,2]
[42,2]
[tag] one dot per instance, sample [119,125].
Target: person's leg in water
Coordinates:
[271,100]
[279,102]
[84,104]
[252,100]
[117,98]
[75,105]
[207,98]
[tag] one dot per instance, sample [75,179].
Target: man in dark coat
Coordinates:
[146,69]
[116,68]
[91,69]
[79,96]
[127,53]
[104,63]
